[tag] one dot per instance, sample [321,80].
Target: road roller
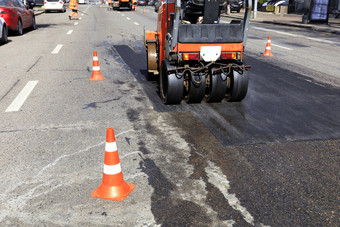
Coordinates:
[196,57]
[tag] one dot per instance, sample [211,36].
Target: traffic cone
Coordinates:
[144,10]
[268,52]
[135,8]
[96,74]
[113,186]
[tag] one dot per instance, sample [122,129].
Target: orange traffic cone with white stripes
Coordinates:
[113,186]
[144,10]
[96,74]
[268,52]
[135,8]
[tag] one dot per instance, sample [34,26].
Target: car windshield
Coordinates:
[3,2]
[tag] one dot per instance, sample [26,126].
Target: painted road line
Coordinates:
[80,18]
[69,32]
[122,14]
[295,35]
[22,96]
[76,23]
[287,48]
[57,49]
[135,23]
[128,18]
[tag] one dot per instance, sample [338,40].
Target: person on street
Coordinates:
[73,5]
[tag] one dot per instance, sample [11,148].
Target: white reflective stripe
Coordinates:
[268,48]
[96,68]
[95,58]
[269,41]
[110,147]
[112,170]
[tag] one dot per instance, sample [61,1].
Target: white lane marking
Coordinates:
[80,18]
[82,14]
[76,23]
[287,48]
[128,18]
[295,35]
[69,32]
[219,180]
[22,96]
[57,49]
[123,14]
[135,23]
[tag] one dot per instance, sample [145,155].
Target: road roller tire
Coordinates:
[237,86]
[171,84]
[196,88]
[151,56]
[217,87]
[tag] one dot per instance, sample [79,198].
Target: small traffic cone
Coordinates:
[268,52]
[135,8]
[144,10]
[113,186]
[96,74]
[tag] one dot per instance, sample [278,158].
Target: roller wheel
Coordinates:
[151,56]
[195,88]
[217,87]
[171,84]
[4,36]
[237,86]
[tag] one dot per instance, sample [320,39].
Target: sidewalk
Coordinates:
[295,20]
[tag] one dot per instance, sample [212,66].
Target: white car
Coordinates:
[4,31]
[54,5]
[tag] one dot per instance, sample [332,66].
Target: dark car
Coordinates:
[236,5]
[141,2]
[17,15]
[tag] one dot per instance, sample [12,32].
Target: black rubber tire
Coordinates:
[238,86]
[196,88]
[34,25]
[4,37]
[19,30]
[171,85]
[217,88]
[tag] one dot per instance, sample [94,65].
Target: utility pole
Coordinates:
[255,9]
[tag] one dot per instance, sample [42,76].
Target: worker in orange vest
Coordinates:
[134,4]
[73,5]
[110,5]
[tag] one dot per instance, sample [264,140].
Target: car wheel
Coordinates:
[34,25]
[20,30]
[4,36]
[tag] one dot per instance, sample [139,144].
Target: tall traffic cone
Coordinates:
[268,52]
[144,10]
[96,74]
[135,8]
[113,186]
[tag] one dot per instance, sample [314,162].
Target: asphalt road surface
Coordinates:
[271,160]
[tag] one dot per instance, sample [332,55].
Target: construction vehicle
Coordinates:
[122,4]
[196,57]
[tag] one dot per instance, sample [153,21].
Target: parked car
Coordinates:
[236,5]
[141,2]
[3,30]
[17,16]
[157,5]
[54,5]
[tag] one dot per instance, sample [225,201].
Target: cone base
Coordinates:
[267,55]
[96,77]
[117,193]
